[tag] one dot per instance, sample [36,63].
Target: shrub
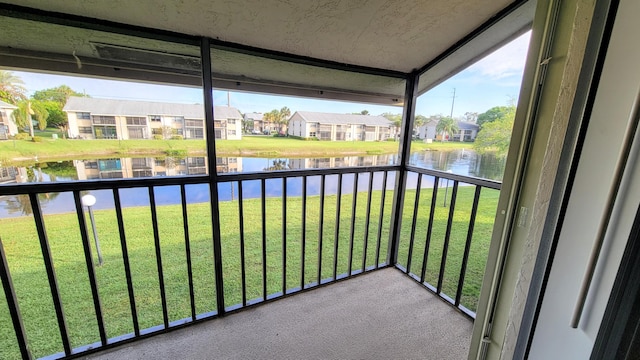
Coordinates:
[176,152]
[177,137]
[36,139]
[158,137]
[21,136]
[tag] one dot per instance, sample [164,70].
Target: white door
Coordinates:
[614,109]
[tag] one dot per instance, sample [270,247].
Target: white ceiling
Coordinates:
[397,35]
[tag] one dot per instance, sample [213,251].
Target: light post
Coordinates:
[89,201]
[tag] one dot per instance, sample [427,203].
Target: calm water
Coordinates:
[463,162]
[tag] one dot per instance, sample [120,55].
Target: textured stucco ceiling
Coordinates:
[27,44]
[387,34]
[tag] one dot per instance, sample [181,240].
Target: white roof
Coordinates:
[462,125]
[253,116]
[354,119]
[146,108]
[4,105]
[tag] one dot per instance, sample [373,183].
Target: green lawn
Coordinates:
[29,277]
[249,146]
[48,133]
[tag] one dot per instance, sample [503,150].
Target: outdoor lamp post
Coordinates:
[89,201]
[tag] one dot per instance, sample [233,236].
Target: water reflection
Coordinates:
[21,204]
[463,162]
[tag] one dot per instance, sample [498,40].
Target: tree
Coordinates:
[496,135]
[278,164]
[364,112]
[493,114]
[271,117]
[470,117]
[434,118]
[40,113]
[12,88]
[446,126]
[283,116]
[247,124]
[278,117]
[168,132]
[396,119]
[20,203]
[418,122]
[53,101]
[26,111]
[57,118]
[59,94]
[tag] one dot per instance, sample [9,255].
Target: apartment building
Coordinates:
[466,131]
[91,118]
[340,127]
[257,124]
[7,125]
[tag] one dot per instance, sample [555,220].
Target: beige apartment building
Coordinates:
[91,118]
[340,127]
[7,125]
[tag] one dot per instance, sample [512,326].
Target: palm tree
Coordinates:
[278,164]
[396,119]
[27,109]
[12,87]
[18,204]
[418,122]
[446,126]
[284,115]
[271,117]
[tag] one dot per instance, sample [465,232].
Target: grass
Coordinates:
[29,277]
[479,246]
[48,133]
[50,149]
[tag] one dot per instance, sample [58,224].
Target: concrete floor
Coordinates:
[381,315]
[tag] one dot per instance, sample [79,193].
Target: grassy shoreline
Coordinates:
[23,253]
[14,151]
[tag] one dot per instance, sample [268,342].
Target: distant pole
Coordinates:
[452,102]
[446,191]
[228,99]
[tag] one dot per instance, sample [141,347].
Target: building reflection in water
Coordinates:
[462,162]
[13,175]
[124,168]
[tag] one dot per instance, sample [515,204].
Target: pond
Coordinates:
[462,162]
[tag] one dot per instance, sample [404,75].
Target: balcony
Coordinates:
[383,315]
[170,266]
[379,260]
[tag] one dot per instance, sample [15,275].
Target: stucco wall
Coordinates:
[526,196]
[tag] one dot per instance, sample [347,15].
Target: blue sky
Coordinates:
[492,81]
